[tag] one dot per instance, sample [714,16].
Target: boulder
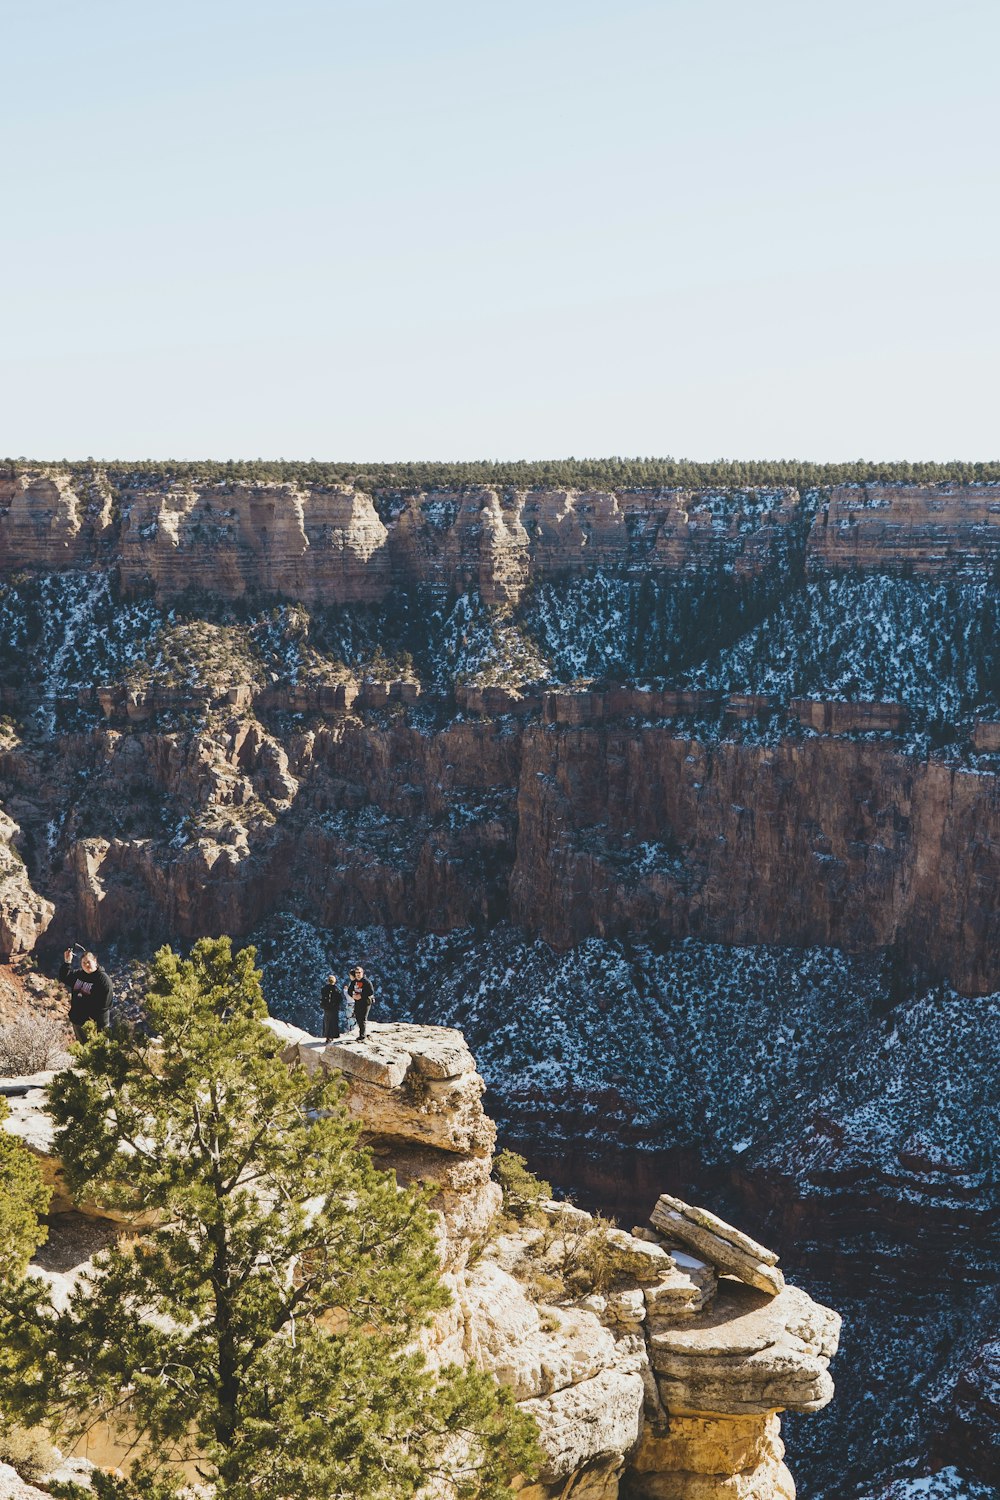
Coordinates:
[727,1248]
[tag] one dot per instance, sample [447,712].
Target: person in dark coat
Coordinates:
[361,992]
[329,999]
[90,992]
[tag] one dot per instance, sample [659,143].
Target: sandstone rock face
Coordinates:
[703,1458]
[405,1082]
[749,1354]
[506,1336]
[310,544]
[329,544]
[667,1381]
[826,841]
[49,520]
[571,830]
[929,529]
[592,1424]
[24,915]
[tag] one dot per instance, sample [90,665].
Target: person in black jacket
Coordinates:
[329,999]
[90,992]
[361,992]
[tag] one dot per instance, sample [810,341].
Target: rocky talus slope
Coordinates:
[655,1363]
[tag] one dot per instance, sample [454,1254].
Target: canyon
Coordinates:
[682,804]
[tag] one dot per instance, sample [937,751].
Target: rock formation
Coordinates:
[329,544]
[622,826]
[325,544]
[652,1367]
[816,767]
[49,520]
[928,529]
[340,544]
[24,915]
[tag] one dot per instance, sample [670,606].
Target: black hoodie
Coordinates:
[90,995]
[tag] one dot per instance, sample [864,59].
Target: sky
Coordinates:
[454,229]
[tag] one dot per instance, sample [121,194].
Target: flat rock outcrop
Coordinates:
[410,1083]
[749,1353]
[650,1370]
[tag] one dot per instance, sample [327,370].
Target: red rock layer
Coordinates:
[812,842]
[329,544]
[570,830]
[941,529]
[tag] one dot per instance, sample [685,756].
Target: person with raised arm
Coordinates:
[90,992]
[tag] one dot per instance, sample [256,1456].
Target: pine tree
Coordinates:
[264,1327]
[24,1197]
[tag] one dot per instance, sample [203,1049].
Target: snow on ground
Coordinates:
[946,1484]
[699,1041]
[933,646]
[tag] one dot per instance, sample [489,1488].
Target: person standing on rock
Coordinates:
[90,992]
[361,992]
[329,999]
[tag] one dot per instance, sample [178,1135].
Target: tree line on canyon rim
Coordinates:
[258,1323]
[563,473]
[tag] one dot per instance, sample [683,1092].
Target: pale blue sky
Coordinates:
[451,229]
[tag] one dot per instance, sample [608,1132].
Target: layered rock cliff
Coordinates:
[341,544]
[625,827]
[337,545]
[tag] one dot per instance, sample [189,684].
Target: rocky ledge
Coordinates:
[656,1362]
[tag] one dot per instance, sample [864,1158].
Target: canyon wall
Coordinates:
[735,799]
[330,545]
[934,530]
[825,841]
[337,544]
[622,827]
